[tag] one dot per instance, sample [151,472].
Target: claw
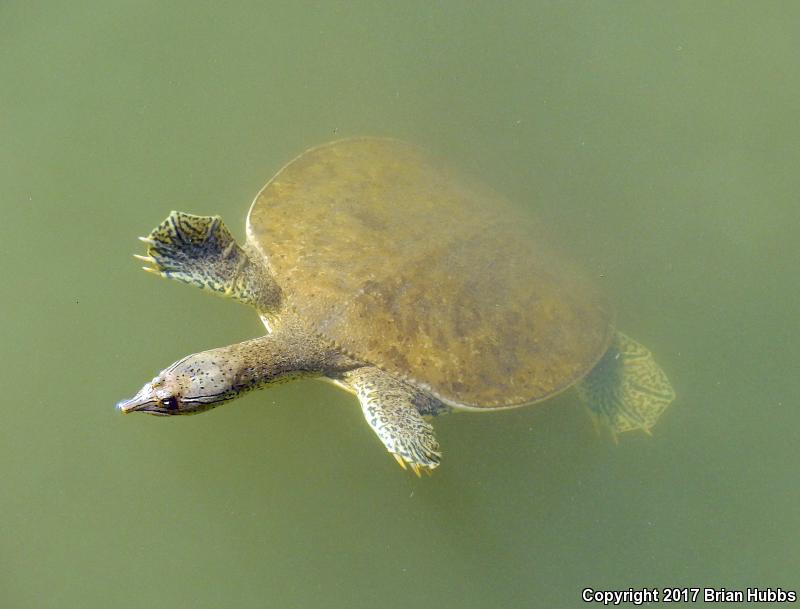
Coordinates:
[415,467]
[228,249]
[146,240]
[150,269]
[148,259]
[399,459]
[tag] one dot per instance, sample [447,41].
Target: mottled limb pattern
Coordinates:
[627,389]
[200,250]
[390,407]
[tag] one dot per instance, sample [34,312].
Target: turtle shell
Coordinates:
[430,275]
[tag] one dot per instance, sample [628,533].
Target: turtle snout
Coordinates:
[143,400]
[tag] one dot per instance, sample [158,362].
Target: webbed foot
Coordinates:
[627,389]
[389,407]
[201,251]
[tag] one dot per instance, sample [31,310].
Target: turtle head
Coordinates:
[192,385]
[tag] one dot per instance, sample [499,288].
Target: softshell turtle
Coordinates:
[375,266]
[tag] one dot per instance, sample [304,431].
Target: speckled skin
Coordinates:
[200,250]
[207,379]
[396,258]
[627,390]
[417,291]
[394,411]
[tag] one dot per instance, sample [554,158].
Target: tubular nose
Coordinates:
[126,406]
[138,402]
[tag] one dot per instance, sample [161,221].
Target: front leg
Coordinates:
[392,408]
[200,250]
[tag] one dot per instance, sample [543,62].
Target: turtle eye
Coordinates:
[170,403]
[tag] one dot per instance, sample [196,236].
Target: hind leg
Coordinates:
[627,389]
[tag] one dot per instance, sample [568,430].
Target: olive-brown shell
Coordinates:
[409,266]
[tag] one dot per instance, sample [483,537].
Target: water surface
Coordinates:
[658,140]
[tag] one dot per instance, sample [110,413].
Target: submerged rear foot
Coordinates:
[627,389]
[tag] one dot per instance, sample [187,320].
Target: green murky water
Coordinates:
[660,140]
